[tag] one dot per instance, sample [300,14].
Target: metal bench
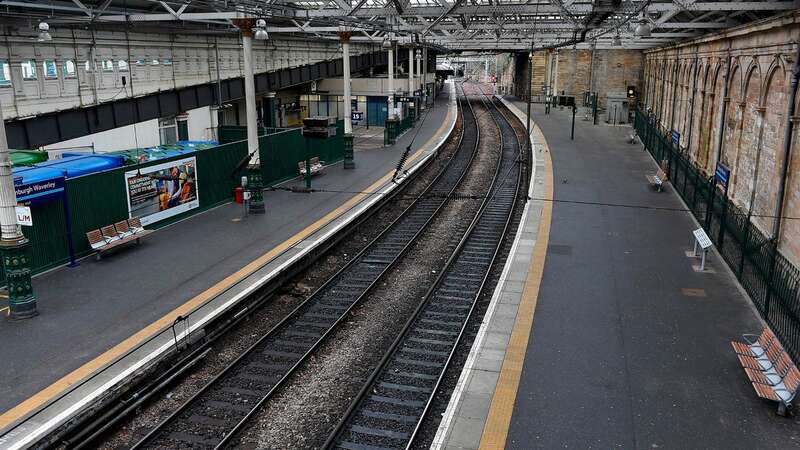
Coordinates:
[769,368]
[112,237]
[657,180]
[317,166]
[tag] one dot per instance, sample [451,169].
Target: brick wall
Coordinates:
[685,87]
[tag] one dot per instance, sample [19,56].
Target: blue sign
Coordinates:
[722,174]
[676,138]
[356,116]
[40,191]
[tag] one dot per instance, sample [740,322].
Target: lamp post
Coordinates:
[14,247]
[389,45]
[248,27]
[344,35]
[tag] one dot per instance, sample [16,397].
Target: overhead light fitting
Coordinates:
[44,32]
[386,44]
[643,29]
[261,30]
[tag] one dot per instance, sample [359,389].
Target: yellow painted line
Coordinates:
[495,430]
[118,350]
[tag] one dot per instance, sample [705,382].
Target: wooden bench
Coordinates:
[769,368]
[111,237]
[317,166]
[657,180]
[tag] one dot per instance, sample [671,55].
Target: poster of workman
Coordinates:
[162,191]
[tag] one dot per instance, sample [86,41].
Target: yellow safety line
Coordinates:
[495,430]
[78,374]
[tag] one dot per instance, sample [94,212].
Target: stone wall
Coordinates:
[574,72]
[743,74]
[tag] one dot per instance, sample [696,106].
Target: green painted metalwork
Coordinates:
[100,199]
[348,152]
[772,282]
[17,264]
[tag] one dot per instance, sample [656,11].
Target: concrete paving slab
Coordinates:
[637,363]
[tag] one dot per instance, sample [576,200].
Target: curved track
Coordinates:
[392,404]
[219,410]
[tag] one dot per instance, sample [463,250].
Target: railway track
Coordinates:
[221,408]
[393,402]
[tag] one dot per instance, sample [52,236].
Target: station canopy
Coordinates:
[448,25]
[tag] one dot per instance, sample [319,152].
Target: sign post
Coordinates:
[701,239]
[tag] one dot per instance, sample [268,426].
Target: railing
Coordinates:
[772,282]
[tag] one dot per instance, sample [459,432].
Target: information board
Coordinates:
[722,174]
[702,238]
[676,138]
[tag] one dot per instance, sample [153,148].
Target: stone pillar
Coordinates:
[14,247]
[344,36]
[254,184]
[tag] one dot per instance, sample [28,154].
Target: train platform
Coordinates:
[601,334]
[105,320]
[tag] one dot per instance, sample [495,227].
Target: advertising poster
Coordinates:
[162,191]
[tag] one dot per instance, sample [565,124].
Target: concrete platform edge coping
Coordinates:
[529,223]
[76,398]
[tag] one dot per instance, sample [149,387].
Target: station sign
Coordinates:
[356,116]
[722,174]
[404,99]
[39,192]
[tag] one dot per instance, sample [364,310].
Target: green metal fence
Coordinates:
[100,199]
[772,282]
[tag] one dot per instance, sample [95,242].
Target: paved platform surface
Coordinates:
[84,311]
[620,355]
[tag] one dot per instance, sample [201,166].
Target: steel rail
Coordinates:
[401,410]
[162,431]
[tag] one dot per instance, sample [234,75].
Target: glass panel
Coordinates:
[122,65]
[168,135]
[167,61]
[141,62]
[69,69]
[88,66]
[108,65]
[154,62]
[29,70]
[50,69]
[5,73]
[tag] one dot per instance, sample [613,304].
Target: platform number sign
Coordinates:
[357,116]
[676,138]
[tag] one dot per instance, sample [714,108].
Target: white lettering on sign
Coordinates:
[24,216]
[702,238]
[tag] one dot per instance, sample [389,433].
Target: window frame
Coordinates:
[5,69]
[32,66]
[45,69]
[67,74]
[123,66]
[107,65]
